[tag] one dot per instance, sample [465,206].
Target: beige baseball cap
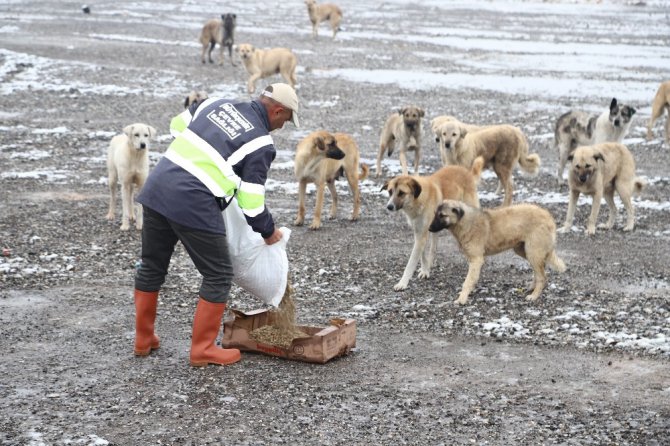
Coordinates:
[286,96]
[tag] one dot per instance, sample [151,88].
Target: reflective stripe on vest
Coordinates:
[180,122]
[251,198]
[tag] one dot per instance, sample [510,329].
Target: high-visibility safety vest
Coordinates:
[228,149]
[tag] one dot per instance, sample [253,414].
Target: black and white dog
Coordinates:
[578,128]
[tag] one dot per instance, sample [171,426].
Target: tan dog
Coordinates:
[320,158]
[128,163]
[418,197]
[195,96]
[661,103]
[321,13]
[404,128]
[526,228]
[501,146]
[221,32]
[264,63]
[436,126]
[598,171]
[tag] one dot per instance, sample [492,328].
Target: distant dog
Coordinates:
[264,63]
[404,128]
[321,158]
[128,164]
[501,146]
[221,32]
[577,128]
[195,96]
[661,103]
[418,197]
[599,171]
[526,228]
[321,13]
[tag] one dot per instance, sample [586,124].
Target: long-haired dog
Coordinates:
[418,197]
[526,228]
[599,171]
[578,128]
[403,128]
[264,63]
[221,32]
[321,158]
[128,164]
[501,146]
[661,103]
[322,13]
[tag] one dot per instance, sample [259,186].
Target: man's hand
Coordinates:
[274,238]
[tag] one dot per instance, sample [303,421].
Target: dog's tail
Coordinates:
[555,262]
[365,170]
[639,185]
[477,168]
[529,163]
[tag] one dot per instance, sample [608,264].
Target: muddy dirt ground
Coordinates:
[588,363]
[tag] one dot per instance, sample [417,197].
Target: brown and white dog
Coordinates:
[221,32]
[195,96]
[321,158]
[403,128]
[599,171]
[661,103]
[264,63]
[418,198]
[578,128]
[322,13]
[128,164]
[501,146]
[526,228]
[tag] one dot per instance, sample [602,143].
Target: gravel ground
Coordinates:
[588,363]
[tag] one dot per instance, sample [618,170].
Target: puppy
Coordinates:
[128,163]
[264,63]
[321,13]
[501,146]
[598,171]
[403,127]
[418,198]
[195,96]
[661,102]
[220,32]
[321,158]
[577,128]
[526,228]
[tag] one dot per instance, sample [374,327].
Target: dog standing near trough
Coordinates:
[526,228]
[599,171]
[403,128]
[578,128]
[322,13]
[128,164]
[418,198]
[261,63]
[321,158]
[221,32]
[661,103]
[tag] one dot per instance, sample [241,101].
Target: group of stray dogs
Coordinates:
[599,166]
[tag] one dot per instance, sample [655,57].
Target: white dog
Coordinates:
[128,163]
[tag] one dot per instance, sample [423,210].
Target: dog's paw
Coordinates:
[461,301]
[125,227]
[591,230]
[299,222]
[400,286]
[424,274]
[628,228]
[315,225]
[531,298]
[563,229]
[109,216]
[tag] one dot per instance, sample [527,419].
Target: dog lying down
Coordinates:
[526,228]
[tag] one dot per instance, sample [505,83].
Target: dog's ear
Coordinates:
[629,111]
[571,157]
[235,16]
[416,187]
[152,132]
[460,212]
[320,143]
[599,156]
[464,131]
[402,111]
[422,112]
[385,186]
[186,102]
[128,130]
[613,104]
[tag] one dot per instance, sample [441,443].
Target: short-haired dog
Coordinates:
[526,228]
[321,158]
[195,96]
[599,171]
[322,13]
[661,103]
[578,128]
[264,63]
[418,197]
[128,164]
[404,128]
[221,32]
[501,146]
